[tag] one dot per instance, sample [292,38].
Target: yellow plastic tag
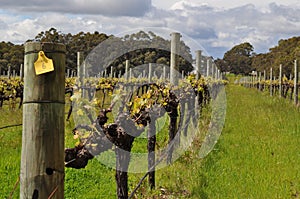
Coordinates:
[43,64]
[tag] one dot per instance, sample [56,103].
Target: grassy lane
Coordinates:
[258,153]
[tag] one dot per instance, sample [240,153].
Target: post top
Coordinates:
[47,47]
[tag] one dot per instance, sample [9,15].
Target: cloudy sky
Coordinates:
[217,25]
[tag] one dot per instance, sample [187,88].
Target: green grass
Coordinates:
[258,153]
[257,156]
[10,147]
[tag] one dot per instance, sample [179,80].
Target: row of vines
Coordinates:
[110,113]
[284,88]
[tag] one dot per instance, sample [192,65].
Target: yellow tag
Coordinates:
[43,64]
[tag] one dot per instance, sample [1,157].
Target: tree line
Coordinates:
[242,59]
[13,54]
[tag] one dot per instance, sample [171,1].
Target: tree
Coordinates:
[238,59]
[12,55]
[283,54]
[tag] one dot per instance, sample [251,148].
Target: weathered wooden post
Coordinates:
[259,81]
[0,70]
[207,67]
[174,68]
[198,63]
[127,70]
[280,80]
[212,69]
[21,72]
[265,78]
[296,83]
[42,161]
[164,72]
[150,73]
[9,72]
[68,72]
[271,81]
[130,73]
[111,72]
[79,67]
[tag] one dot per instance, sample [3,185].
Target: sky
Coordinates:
[216,25]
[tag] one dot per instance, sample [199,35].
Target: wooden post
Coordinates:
[174,68]
[42,161]
[21,72]
[198,64]
[111,72]
[259,81]
[271,76]
[207,66]
[9,72]
[280,80]
[150,73]
[164,73]
[212,69]
[0,70]
[265,78]
[127,70]
[296,83]
[68,73]
[79,67]
[130,73]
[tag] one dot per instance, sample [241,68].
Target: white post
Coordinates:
[174,58]
[271,79]
[296,83]
[127,70]
[150,73]
[280,80]
[198,64]
[68,72]
[9,72]
[111,72]
[259,81]
[207,66]
[212,69]
[130,73]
